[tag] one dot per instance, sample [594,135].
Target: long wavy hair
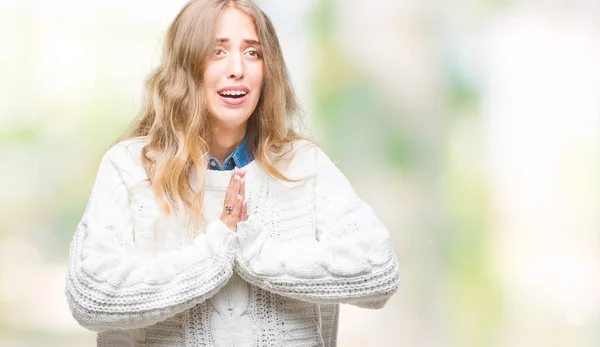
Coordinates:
[175,119]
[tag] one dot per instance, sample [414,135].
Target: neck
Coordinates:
[225,141]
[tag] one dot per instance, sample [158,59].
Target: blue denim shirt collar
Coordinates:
[239,158]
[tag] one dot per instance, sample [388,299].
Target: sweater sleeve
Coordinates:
[111,286]
[351,259]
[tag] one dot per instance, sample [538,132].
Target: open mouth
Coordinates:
[233,94]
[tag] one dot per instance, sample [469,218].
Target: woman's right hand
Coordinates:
[234,206]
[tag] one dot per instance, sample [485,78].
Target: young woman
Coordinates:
[214,223]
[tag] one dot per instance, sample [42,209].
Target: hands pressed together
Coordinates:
[235,204]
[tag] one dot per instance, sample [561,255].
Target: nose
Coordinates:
[236,67]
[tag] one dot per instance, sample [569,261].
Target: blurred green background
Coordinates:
[471,127]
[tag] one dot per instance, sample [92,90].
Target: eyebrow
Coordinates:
[248,41]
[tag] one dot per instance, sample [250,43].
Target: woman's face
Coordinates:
[234,74]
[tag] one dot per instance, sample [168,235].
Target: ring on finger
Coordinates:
[228,209]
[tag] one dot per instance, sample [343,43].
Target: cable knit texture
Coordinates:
[140,278]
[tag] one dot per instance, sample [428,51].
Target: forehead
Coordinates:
[234,23]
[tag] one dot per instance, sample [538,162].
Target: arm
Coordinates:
[350,261]
[110,286]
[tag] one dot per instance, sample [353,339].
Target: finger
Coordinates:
[232,191]
[243,189]
[237,182]
[235,187]
[244,214]
[231,180]
[237,209]
[232,177]
[241,172]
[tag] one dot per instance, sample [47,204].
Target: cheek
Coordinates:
[258,76]
[261,73]
[211,76]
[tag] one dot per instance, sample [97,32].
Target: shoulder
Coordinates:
[126,152]
[309,152]
[302,158]
[126,158]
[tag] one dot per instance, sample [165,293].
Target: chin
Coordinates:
[232,118]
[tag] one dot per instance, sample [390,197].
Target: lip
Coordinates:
[234,102]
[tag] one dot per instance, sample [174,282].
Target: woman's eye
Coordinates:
[219,52]
[254,54]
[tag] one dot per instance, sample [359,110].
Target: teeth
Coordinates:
[233,92]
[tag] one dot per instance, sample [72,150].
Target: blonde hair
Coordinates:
[175,119]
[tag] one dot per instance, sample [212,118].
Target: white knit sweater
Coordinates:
[142,279]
